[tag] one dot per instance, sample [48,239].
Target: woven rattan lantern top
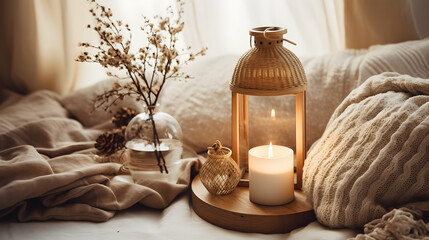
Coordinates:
[268,69]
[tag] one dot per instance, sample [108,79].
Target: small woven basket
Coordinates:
[220,173]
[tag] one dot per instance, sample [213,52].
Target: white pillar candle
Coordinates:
[271,175]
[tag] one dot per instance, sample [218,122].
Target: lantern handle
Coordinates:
[265,36]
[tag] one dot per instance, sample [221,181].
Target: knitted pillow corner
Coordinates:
[374,153]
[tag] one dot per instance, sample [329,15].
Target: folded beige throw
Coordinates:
[47,170]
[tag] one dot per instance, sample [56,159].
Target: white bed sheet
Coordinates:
[178,221]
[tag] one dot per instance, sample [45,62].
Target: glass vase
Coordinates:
[153,145]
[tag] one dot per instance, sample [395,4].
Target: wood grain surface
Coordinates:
[236,212]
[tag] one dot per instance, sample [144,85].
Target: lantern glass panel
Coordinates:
[266,125]
[265,128]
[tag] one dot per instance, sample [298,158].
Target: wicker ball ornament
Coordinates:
[220,173]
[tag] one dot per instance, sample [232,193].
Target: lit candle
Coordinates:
[271,176]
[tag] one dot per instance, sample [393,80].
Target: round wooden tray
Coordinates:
[236,212]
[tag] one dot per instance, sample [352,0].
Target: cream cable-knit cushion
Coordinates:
[374,153]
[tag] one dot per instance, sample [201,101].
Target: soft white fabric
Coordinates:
[202,105]
[373,155]
[411,58]
[178,221]
[80,104]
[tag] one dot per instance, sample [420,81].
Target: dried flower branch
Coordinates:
[150,67]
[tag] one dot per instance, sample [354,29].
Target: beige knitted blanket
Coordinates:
[374,154]
[47,169]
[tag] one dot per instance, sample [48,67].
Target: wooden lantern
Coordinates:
[268,69]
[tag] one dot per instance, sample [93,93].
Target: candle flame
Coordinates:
[270,151]
[273,114]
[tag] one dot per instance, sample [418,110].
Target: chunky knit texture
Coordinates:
[374,153]
[400,223]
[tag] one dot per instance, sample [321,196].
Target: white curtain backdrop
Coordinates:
[40,37]
[39,45]
[223,25]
